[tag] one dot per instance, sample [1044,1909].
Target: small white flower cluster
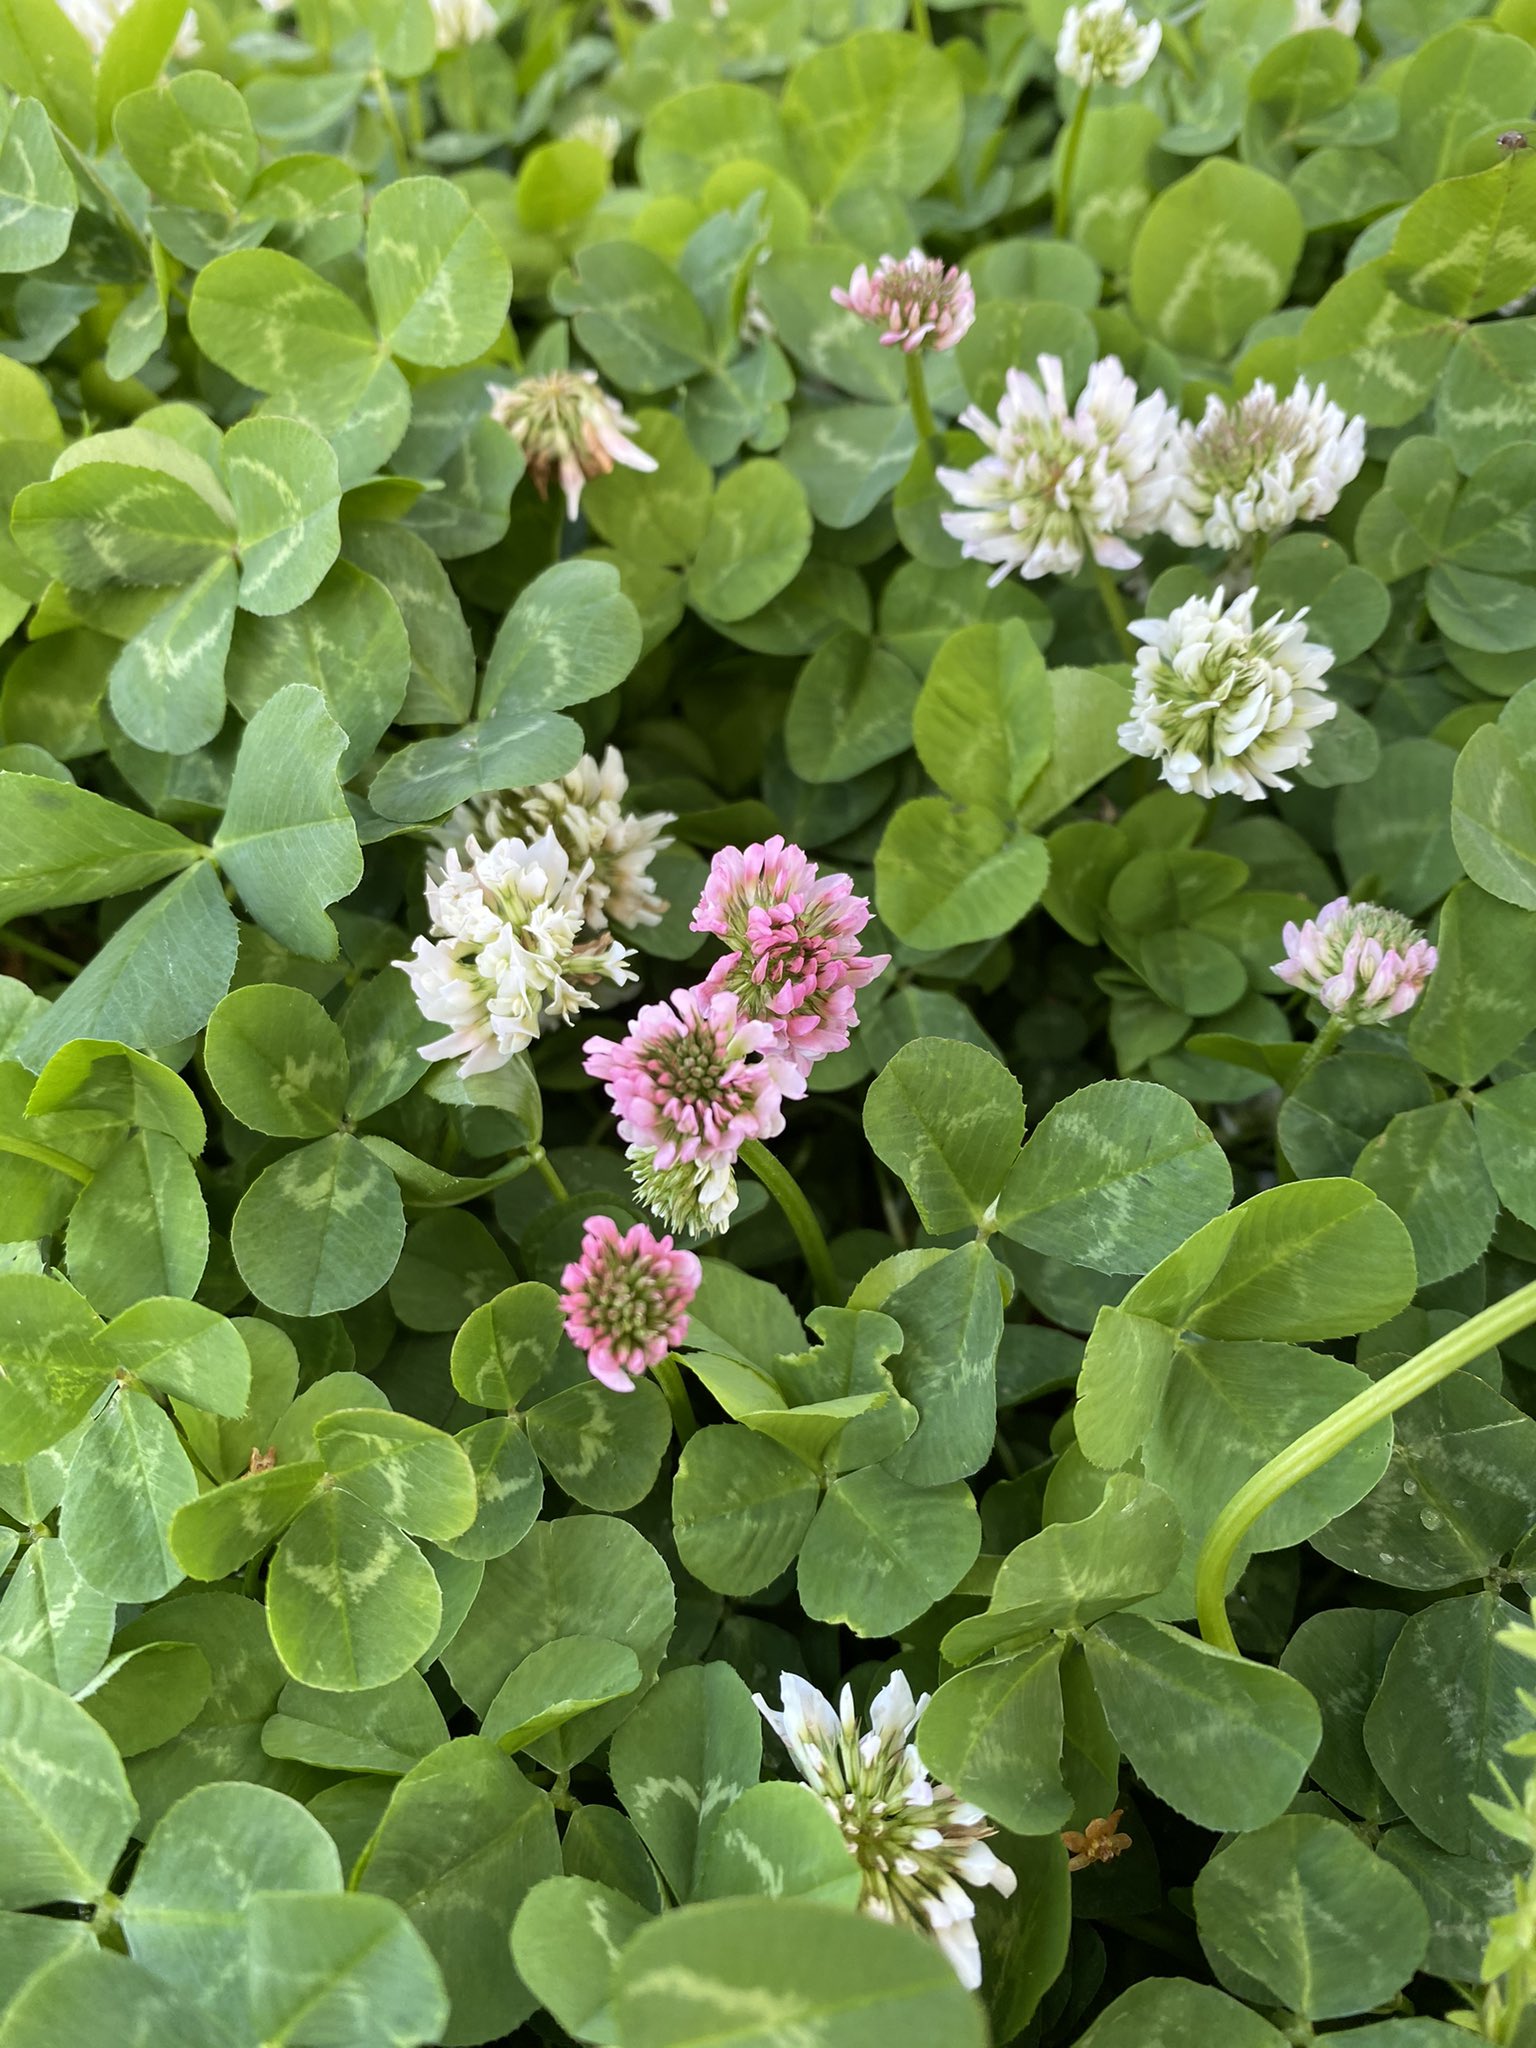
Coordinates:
[458,23]
[96,20]
[916,1844]
[1344,15]
[506,955]
[1226,706]
[1259,464]
[585,811]
[1104,43]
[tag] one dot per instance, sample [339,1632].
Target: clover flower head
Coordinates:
[1363,963]
[626,1300]
[916,1844]
[1226,706]
[506,957]
[585,811]
[794,959]
[458,23]
[689,1084]
[567,427]
[603,131]
[1344,15]
[96,19]
[914,299]
[1061,483]
[1259,464]
[1105,43]
[1099,1842]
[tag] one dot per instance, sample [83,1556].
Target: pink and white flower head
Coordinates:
[1061,484]
[914,299]
[626,1300]
[690,1085]
[567,427]
[794,961]
[1363,963]
[506,957]
[916,1844]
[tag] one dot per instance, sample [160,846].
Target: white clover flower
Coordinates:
[1104,43]
[1259,464]
[603,131]
[1344,15]
[506,957]
[1363,963]
[96,20]
[458,23]
[585,811]
[1061,482]
[1226,706]
[916,1844]
[567,426]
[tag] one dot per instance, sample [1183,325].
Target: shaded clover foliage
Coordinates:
[962,585]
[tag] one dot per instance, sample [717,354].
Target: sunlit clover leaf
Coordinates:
[1493,811]
[53,1375]
[37,193]
[634,316]
[285,487]
[167,685]
[126,1481]
[948,1118]
[60,844]
[287,840]
[224,1528]
[271,322]
[191,139]
[64,1799]
[277,1061]
[741,1506]
[1115,1177]
[127,507]
[351,1601]
[995,1733]
[186,1914]
[1215,252]
[740,1971]
[101,1083]
[877,109]
[157,978]
[320,1229]
[52,1621]
[1464,247]
[183,1349]
[410,1472]
[756,540]
[948,875]
[438,277]
[554,1684]
[505,1346]
[343,1968]
[572,635]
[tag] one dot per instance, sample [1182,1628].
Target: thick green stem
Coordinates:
[670,1381]
[622,29]
[547,1173]
[1335,1433]
[786,1191]
[917,398]
[391,120]
[921,24]
[1317,1051]
[45,956]
[1063,211]
[1114,610]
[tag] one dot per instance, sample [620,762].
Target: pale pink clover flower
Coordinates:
[626,1300]
[689,1084]
[567,427]
[914,299]
[1362,962]
[794,961]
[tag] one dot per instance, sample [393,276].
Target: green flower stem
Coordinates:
[921,24]
[45,956]
[622,30]
[1317,1051]
[547,1173]
[44,1155]
[917,397]
[1063,209]
[1335,1433]
[390,118]
[670,1381]
[786,1191]
[416,124]
[1114,610]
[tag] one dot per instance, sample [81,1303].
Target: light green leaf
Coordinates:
[146,1696]
[319,1229]
[285,488]
[948,875]
[343,1968]
[37,194]
[778,1840]
[126,1481]
[566,1939]
[140,1227]
[385,1730]
[554,1684]
[948,1119]
[504,1347]
[167,685]
[438,277]
[277,1061]
[60,844]
[1216,252]
[983,724]
[681,1759]
[881,1552]
[63,1796]
[741,1506]
[351,1603]
[416,1476]
[572,635]
[757,538]
[994,1733]
[271,322]
[287,841]
[873,110]
[52,1621]
[180,1348]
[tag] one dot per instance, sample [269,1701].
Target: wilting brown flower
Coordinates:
[1099,1842]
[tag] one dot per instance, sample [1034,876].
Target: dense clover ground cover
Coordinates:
[768,1025]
